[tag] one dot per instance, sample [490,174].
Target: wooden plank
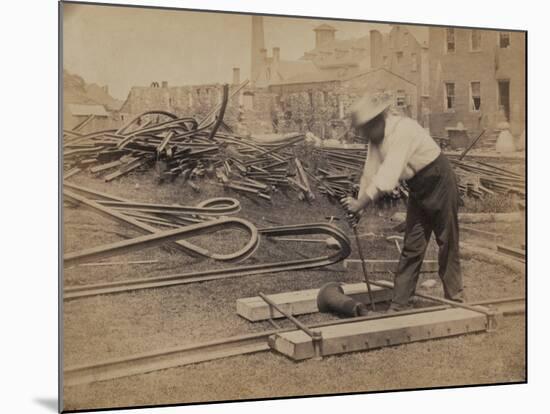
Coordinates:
[301,302]
[382,266]
[378,333]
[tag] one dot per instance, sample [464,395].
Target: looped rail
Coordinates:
[126,213]
[192,277]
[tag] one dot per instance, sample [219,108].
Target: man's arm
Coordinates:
[388,174]
[372,163]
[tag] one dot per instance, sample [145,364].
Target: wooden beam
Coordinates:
[379,333]
[383,266]
[301,302]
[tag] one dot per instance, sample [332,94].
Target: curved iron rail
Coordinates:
[134,120]
[153,239]
[192,277]
[188,247]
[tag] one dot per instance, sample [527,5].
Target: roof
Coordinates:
[358,42]
[283,70]
[369,71]
[85,110]
[329,55]
[311,77]
[333,76]
[324,26]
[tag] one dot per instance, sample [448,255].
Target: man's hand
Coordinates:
[352,205]
[354,209]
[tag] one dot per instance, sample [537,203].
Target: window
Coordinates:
[385,61]
[504,40]
[414,62]
[401,99]
[450,41]
[449,96]
[475,43]
[504,97]
[399,56]
[475,96]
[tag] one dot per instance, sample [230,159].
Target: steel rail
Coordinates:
[212,207]
[233,346]
[156,238]
[188,247]
[221,113]
[131,122]
[220,206]
[76,292]
[218,106]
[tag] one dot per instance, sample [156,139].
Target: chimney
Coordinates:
[164,84]
[375,49]
[276,54]
[263,55]
[106,89]
[257,42]
[236,76]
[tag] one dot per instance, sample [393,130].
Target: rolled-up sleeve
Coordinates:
[388,174]
[372,163]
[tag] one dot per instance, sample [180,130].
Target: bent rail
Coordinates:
[192,277]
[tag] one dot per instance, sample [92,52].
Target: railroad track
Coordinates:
[227,347]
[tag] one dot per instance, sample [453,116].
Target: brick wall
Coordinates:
[180,100]
[464,66]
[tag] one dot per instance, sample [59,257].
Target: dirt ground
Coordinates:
[103,327]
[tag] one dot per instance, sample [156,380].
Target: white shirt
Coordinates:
[405,150]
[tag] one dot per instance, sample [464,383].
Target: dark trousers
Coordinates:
[432,207]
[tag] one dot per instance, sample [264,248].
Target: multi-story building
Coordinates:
[404,52]
[477,78]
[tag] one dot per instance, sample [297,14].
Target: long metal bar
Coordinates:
[207,351]
[154,239]
[76,292]
[291,318]
[471,145]
[364,267]
[244,253]
[479,309]
[219,118]
[217,107]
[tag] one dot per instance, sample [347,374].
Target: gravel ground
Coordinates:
[103,327]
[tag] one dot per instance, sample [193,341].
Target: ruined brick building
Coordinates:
[439,76]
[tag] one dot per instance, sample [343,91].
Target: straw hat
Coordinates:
[370,105]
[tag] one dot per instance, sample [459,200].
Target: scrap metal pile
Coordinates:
[191,149]
[184,147]
[477,179]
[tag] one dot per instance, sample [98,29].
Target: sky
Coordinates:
[123,47]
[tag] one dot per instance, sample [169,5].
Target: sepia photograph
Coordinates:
[264,206]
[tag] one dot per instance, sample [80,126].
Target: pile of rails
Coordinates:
[191,149]
[176,145]
[477,179]
[339,169]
